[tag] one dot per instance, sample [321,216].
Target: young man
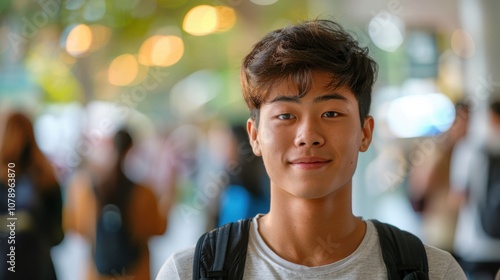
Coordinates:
[308,87]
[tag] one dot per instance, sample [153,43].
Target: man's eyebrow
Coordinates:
[331,96]
[285,98]
[296,99]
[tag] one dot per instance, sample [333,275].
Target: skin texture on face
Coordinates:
[310,145]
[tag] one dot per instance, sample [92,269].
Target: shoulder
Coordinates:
[178,266]
[144,204]
[442,265]
[143,196]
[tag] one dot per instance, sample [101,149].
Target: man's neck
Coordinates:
[312,232]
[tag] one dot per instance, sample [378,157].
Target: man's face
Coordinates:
[310,145]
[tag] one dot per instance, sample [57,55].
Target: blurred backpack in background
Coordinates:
[115,248]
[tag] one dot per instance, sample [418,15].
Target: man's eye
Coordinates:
[285,116]
[330,114]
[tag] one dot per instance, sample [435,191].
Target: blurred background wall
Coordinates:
[170,70]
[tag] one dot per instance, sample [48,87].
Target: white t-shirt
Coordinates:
[366,262]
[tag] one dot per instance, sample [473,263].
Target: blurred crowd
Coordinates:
[121,195]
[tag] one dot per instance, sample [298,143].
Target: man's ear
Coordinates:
[252,135]
[367,130]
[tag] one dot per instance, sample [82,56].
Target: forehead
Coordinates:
[318,84]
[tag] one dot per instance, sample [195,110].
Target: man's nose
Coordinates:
[309,134]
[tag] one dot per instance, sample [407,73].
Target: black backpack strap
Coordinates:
[404,254]
[221,253]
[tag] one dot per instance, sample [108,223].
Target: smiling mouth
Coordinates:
[309,164]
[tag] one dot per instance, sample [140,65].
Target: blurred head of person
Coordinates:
[115,180]
[19,148]
[109,153]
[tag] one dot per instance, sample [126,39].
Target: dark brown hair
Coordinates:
[295,51]
[19,147]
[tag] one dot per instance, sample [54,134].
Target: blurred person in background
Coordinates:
[247,193]
[429,182]
[30,194]
[477,236]
[116,215]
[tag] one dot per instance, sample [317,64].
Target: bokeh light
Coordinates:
[146,50]
[386,33]
[264,2]
[462,43]
[193,92]
[226,18]
[420,115]
[123,70]
[200,20]
[79,40]
[161,50]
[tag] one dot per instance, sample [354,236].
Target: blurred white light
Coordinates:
[59,126]
[48,134]
[420,115]
[387,31]
[194,91]
[264,2]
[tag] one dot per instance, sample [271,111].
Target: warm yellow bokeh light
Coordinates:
[226,18]
[161,50]
[200,20]
[79,40]
[146,50]
[462,44]
[123,70]
[167,51]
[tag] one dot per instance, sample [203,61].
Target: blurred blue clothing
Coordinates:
[238,203]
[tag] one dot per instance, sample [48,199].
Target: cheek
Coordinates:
[271,139]
[350,152]
[270,147]
[273,148]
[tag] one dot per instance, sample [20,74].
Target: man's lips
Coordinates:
[309,162]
